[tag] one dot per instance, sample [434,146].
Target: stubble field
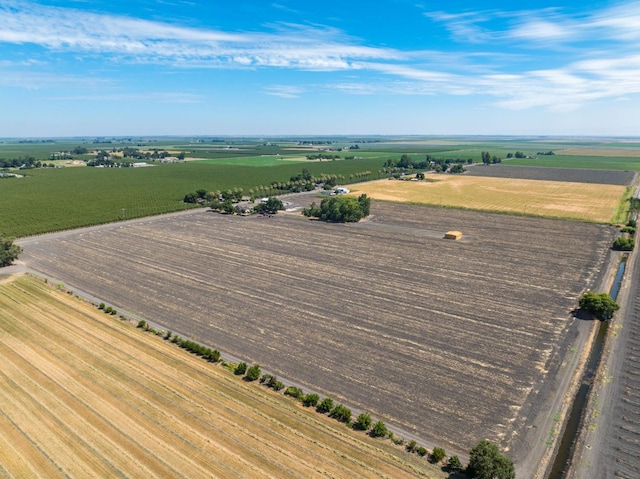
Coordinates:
[555,199]
[83,394]
[452,341]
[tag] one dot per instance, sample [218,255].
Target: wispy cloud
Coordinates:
[284,91]
[69,30]
[500,74]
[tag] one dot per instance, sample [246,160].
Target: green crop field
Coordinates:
[63,198]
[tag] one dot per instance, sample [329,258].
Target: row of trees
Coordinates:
[24,163]
[340,209]
[485,459]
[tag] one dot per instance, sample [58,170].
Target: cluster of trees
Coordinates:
[624,244]
[271,206]
[545,153]
[8,251]
[440,165]
[108,309]
[24,162]
[601,305]
[518,154]
[323,156]
[489,159]
[340,209]
[627,242]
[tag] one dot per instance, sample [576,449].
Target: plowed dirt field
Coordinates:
[450,340]
[83,394]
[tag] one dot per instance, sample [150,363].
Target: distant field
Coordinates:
[56,199]
[580,161]
[85,395]
[573,175]
[555,199]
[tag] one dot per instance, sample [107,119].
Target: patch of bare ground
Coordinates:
[452,341]
[83,394]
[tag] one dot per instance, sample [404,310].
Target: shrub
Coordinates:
[341,413]
[167,335]
[600,305]
[241,368]
[265,378]
[142,324]
[398,441]
[326,405]
[624,244]
[454,464]
[411,447]
[294,391]
[363,422]
[628,229]
[108,309]
[437,455]
[310,400]
[421,451]
[253,373]
[380,430]
[101,306]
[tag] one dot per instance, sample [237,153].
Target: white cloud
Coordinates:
[284,91]
[503,77]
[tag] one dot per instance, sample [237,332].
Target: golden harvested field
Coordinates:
[554,199]
[83,394]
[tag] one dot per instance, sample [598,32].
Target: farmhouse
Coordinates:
[453,235]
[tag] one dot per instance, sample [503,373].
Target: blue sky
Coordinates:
[246,67]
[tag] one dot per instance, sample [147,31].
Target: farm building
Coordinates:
[340,190]
[453,235]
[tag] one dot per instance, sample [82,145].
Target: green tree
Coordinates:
[326,405]
[341,209]
[253,373]
[624,244]
[454,464]
[190,197]
[437,455]
[363,422]
[379,430]
[486,462]
[341,413]
[602,306]
[271,206]
[8,251]
[310,400]
[241,368]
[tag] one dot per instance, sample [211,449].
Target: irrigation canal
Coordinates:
[566,449]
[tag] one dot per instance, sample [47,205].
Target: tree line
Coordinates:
[485,459]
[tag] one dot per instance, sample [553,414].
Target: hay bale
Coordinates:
[453,235]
